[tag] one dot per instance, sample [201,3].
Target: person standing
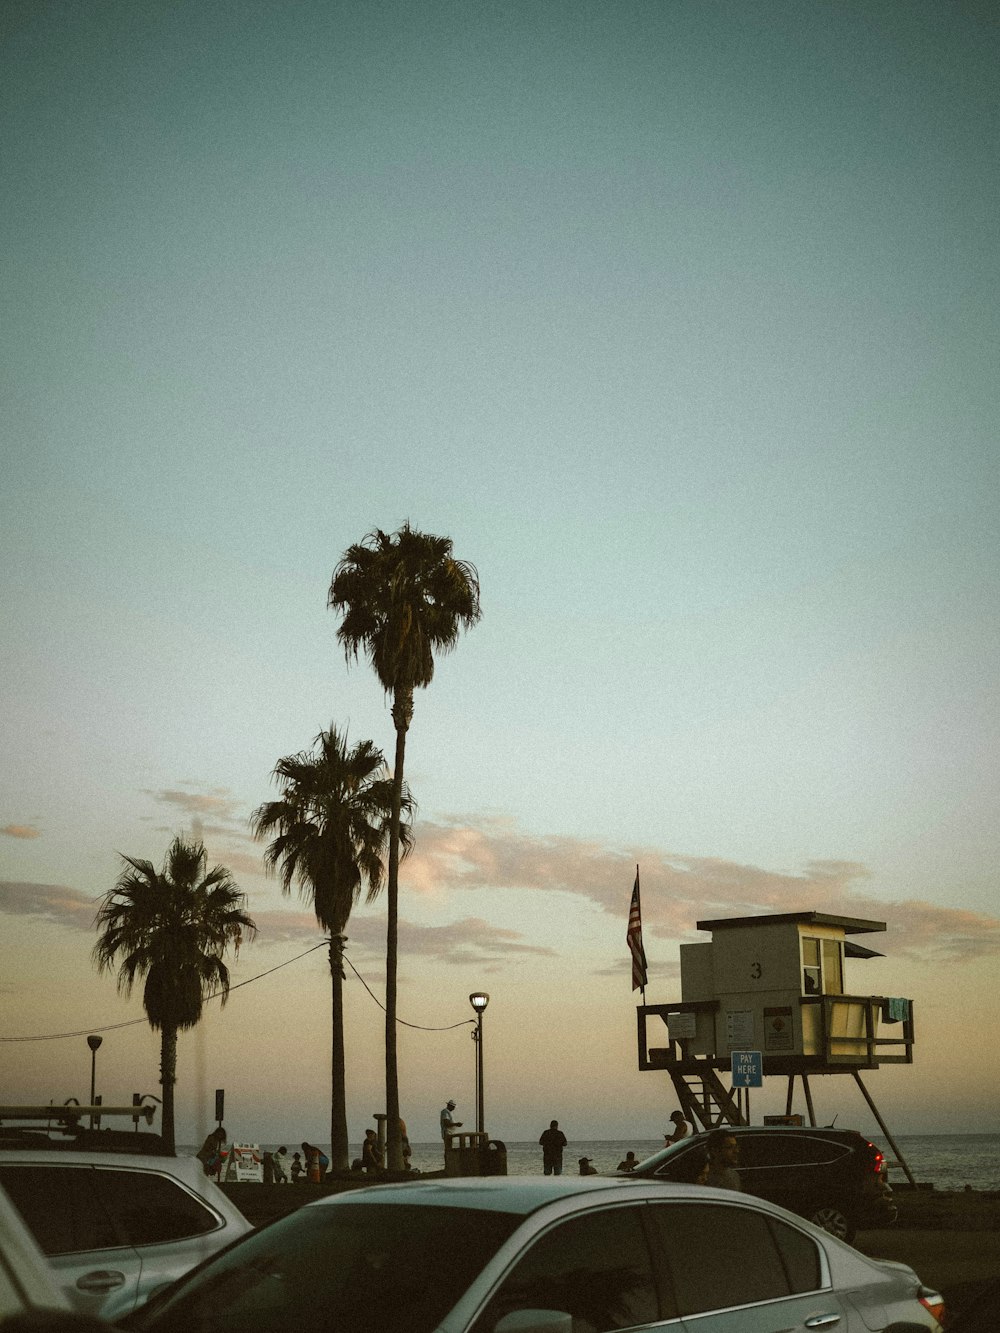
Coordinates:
[371,1156]
[553,1140]
[280,1165]
[723,1159]
[448,1122]
[210,1154]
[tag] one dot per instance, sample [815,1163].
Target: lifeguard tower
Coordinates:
[773,984]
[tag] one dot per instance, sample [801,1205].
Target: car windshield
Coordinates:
[355,1268]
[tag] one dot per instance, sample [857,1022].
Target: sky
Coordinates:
[679,318]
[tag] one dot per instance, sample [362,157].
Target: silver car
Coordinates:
[116,1226]
[541,1255]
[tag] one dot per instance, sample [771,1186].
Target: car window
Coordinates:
[700,1241]
[596,1267]
[149,1207]
[788,1150]
[60,1207]
[370,1268]
[799,1255]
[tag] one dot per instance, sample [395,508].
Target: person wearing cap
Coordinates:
[680,1130]
[587,1167]
[553,1140]
[448,1121]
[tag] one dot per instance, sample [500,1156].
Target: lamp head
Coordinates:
[479,1000]
[94,1041]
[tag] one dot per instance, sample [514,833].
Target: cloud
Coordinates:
[212,810]
[243,863]
[678,891]
[53,902]
[469,941]
[21,831]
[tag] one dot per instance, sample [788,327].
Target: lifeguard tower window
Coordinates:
[822,967]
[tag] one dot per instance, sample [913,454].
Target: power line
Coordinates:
[132,1022]
[419,1026]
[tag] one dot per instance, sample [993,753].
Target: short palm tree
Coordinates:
[331,826]
[172,928]
[403,598]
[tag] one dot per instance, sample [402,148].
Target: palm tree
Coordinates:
[172,928]
[331,825]
[403,597]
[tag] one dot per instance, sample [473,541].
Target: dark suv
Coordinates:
[833,1177]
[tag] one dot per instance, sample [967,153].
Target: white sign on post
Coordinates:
[247,1162]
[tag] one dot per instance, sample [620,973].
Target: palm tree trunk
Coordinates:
[402,712]
[168,1075]
[339,1146]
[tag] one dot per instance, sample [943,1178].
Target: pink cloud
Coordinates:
[54,902]
[211,811]
[20,831]
[677,890]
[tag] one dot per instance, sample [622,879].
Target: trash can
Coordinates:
[461,1154]
[493,1159]
[473,1154]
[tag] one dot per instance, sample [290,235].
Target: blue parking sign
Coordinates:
[748,1069]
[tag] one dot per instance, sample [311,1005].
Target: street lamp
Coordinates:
[479,1000]
[93,1042]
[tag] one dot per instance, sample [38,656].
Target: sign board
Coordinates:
[783,1120]
[739,1028]
[748,1069]
[246,1163]
[778,1030]
[681,1026]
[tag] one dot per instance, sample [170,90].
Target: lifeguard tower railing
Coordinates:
[839,1033]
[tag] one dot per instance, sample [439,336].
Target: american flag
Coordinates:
[634,938]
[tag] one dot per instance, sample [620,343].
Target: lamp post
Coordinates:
[479,1000]
[93,1042]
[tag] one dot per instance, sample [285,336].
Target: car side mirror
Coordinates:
[535,1321]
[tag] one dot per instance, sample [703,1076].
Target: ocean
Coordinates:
[947,1161]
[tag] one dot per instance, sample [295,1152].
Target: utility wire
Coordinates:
[419,1026]
[132,1022]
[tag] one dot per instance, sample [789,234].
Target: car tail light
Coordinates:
[933,1303]
[877,1159]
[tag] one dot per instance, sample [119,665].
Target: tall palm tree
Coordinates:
[331,825]
[403,597]
[172,928]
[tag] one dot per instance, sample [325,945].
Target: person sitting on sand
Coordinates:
[587,1167]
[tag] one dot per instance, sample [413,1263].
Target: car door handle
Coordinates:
[823,1321]
[102,1279]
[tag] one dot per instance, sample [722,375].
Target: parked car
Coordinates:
[832,1177]
[539,1255]
[114,1226]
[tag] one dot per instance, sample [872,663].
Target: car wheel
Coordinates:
[835,1221]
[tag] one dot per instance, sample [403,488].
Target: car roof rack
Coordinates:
[52,1127]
